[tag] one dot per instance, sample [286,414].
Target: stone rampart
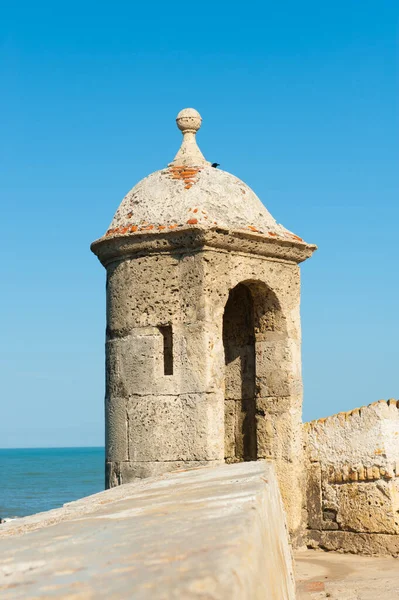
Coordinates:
[212,532]
[353,479]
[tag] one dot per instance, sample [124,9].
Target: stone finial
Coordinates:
[189,121]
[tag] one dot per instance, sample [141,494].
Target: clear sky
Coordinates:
[298,99]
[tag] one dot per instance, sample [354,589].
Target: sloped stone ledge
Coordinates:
[213,532]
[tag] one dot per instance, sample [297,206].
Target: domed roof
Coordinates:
[192,192]
[202,196]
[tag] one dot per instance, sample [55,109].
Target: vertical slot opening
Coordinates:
[166,331]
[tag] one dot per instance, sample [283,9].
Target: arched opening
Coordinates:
[263,387]
[240,388]
[258,372]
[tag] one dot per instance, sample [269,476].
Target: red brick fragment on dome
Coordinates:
[186,174]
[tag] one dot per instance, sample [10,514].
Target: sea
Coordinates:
[38,479]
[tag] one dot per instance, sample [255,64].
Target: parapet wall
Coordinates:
[353,479]
[213,532]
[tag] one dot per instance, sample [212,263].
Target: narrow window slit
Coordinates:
[166,331]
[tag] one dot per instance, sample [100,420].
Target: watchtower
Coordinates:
[203,344]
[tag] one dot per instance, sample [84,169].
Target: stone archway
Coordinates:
[257,373]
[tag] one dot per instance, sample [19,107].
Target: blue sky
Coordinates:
[298,99]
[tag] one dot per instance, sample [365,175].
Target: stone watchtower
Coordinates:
[203,346]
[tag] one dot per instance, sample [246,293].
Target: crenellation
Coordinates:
[355,412]
[357,453]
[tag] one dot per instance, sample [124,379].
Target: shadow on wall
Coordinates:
[240,403]
[253,330]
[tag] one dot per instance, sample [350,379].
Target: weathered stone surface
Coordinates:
[116,429]
[367,507]
[230,423]
[149,291]
[278,368]
[366,436]
[130,471]
[356,455]
[174,428]
[212,533]
[135,362]
[369,544]
[313,496]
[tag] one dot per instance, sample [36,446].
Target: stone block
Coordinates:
[240,373]
[116,442]
[280,430]
[291,478]
[229,430]
[192,296]
[266,435]
[367,507]
[368,544]
[199,364]
[135,365]
[131,301]
[279,406]
[188,427]
[313,496]
[245,430]
[278,368]
[155,289]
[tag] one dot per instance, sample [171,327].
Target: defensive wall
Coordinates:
[353,479]
[211,532]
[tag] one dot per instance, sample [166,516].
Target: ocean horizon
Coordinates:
[38,479]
